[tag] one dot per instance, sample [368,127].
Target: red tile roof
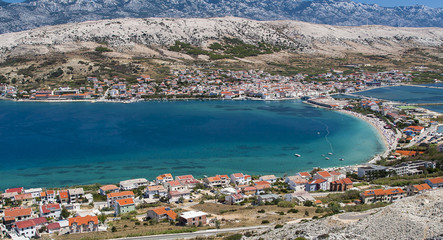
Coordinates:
[162,210]
[63,194]
[436,180]
[17,190]
[125,201]
[23,196]
[305,174]
[53,226]
[324,174]
[25,224]
[50,207]
[108,187]
[83,220]
[120,194]
[17,212]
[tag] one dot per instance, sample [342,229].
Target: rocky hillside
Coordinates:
[36,13]
[124,34]
[418,217]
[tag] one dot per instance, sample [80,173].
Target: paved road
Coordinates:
[204,233]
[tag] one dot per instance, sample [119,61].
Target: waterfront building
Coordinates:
[323,175]
[187,180]
[304,175]
[75,195]
[133,184]
[193,218]
[175,186]
[240,178]
[177,195]
[25,199]
[317,184]
[412,167]
[296,183]
[63,196]
[103,190]
[15,214]
[14,190]
[161,179]
[217,181]
[35,192]
[48,196]
[268,178]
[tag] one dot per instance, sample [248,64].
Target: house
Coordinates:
[240,178]
[53,227]
[133,184]
[176,195]
[418,189]
[76,195]
[26,228]
[317,184]
[412,167]
[304,175]
[187,180]
[217,181]
[12,215]
[35,192]
[262,186]
[83,224]
[299,197]
[337,175]
[267,198]
[435,182]
[192,218]
[123,206]
[156,191]
[248,190]
[323,175]
[175,186]
[48,196]
[25,199]
[103,190]
[234,198]
[162,213]
[52,210]
[112,197]
[341,185]
[381,195]
[268,178]
[14,190]
[163,178]
[296,183]
[63,196]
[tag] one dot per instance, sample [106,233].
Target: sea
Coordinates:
[68,144]
[409,94]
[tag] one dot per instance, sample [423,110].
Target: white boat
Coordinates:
[297,155]
[341,159]
[330,153]
[326,158]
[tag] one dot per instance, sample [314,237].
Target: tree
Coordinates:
[65,213]
[102,218]
[113,229]
[306,213]
[217,224]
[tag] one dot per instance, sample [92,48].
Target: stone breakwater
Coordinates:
[417,217]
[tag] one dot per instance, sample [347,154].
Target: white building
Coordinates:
[133,183]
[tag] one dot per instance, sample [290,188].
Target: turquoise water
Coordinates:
[64,144]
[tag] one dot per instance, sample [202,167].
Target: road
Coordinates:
[204,233]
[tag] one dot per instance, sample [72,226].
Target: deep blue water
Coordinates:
[344,96]
[64,144]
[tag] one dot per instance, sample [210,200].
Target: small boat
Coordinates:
[297,155]
[341,159]
[330,153]
[318,133]
[326,158]
[322,155]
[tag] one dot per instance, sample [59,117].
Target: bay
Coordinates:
[65,144]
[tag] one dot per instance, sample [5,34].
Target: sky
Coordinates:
[384,3]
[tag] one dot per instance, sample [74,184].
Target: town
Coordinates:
[217,84]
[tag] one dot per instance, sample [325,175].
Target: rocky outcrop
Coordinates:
[36,13]
[418,217]
[293,35]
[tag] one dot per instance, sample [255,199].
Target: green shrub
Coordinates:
[278,226]
[292,211]
[265,222]
[102,49]
[237,236]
